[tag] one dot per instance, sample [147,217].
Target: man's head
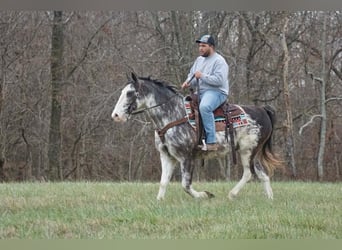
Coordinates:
[206,45]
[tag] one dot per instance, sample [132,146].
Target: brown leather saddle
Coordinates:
[227,116]
[224,115]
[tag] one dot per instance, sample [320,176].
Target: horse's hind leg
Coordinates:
[260,172]
[168,166]
[245,160]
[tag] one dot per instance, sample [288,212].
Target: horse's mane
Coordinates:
[161,83]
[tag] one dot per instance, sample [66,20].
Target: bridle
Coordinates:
[133,106]
[131,110]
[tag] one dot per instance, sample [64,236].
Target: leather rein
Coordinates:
[161,132]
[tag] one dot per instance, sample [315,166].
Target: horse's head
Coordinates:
[128,101]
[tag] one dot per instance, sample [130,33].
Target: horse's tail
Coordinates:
[268,158]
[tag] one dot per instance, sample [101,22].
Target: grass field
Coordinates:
[130,211]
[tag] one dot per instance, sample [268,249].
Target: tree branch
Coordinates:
[85,54]
[308,123]
[333,99]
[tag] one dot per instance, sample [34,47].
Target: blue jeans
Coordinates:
[210,100]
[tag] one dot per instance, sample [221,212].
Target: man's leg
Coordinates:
[210,100]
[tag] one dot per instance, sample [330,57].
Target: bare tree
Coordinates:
[288,128]
[324,84]
[57,75]
[320,160]
[323,111]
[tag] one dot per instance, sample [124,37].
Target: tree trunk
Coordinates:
[288,131]
[320,164]
[251,53]
[2,140]
[54,151]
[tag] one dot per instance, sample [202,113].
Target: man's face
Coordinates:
[204,49]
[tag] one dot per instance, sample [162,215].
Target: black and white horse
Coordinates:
[178,144]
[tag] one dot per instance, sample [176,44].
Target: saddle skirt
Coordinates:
[224,115]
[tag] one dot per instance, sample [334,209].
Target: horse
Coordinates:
[177,144]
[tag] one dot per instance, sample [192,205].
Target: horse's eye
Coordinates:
[130,94]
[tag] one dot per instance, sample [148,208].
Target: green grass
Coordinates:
[130,211]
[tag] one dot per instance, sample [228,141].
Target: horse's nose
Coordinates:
[116,117]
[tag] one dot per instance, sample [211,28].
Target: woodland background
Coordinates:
[61,73]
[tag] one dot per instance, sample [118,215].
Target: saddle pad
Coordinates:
[238,121]
[237,116]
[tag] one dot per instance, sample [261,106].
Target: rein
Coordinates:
[162,132]
[135,112]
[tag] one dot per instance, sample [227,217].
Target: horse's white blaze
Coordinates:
[119,114]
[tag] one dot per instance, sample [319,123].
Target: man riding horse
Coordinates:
[210,71]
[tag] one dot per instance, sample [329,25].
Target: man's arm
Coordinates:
[218,76]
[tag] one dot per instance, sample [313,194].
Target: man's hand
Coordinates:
[185,85]
[198,74]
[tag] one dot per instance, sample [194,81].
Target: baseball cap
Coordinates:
[208,39]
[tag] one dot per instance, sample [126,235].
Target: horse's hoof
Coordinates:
[210,195]
[160,198]
[231,196]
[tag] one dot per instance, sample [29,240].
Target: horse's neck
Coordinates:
[168,111]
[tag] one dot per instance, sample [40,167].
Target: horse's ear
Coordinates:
[134,77]
[136,81]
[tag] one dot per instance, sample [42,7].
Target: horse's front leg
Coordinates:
[168,165]
[187,168]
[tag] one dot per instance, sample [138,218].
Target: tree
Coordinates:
[323,131]
[324,55]
[54,151]
[288,128]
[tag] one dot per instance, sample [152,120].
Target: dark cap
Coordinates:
[208,39]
